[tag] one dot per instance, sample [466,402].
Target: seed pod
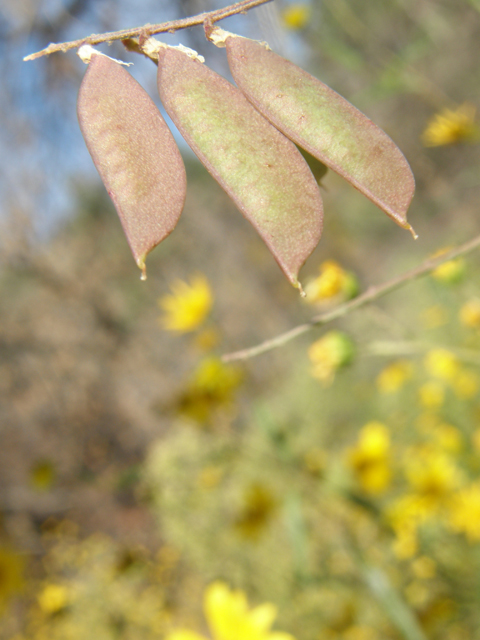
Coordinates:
[319,120]
[260,169]
[134,153]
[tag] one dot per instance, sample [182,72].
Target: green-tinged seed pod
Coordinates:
[134,153]
[261,170]
[319,120]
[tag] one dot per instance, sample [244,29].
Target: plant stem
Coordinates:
[150,29]
[371,294]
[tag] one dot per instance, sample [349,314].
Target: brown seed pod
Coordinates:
[260,169]
[134,153]
[322,122]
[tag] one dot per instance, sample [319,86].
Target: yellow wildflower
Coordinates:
[212,386]
[187,306]
[393,377]
[470,314]
[53,598]
[370,459]
[466,384]
[448,437]
[404,515]
[441,364]
[296,16]
[431,394]
[229,618]
[433,477]
[465,512]
[449,272]
[328,354]
[332,283]
[451,126]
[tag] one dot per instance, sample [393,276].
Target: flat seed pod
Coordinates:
[134,153]
[261,170]
[319,120]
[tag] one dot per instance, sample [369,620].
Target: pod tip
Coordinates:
[141,265]
[412,231]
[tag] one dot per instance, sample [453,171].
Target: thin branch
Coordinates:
[150,29]
[371,294]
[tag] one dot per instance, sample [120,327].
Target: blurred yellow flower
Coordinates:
[451,126]
[442,364]
[53,598]
[229,618]
[465,512]
[466,384]
[448,437]
[470,314]
[328,354]
[296,16]
[450,272]
[431,394]
[370,459]
[392,378]
[332,284]
[212,386]
[187,306]
[432,475]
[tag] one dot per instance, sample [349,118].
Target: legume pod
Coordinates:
[134,153]
[258,167]
[323,123]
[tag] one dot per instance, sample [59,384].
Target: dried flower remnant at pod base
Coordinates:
[322,122]
[133,151]
[229,618]
[261,170]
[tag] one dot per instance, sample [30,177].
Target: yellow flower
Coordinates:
[296,16]
[328,354]
[370,459]
[465,512]
[332,283]
[212,385]
[187,306]
[450,127]
[394,376]
[431,394]
[466,384]
[449,438]
[441,364]
[470,314]
[432,475]
[53,598]
[229,618]
[449,272]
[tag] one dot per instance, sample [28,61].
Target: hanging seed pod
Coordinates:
[322,122]
[133,151]
[262,171]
